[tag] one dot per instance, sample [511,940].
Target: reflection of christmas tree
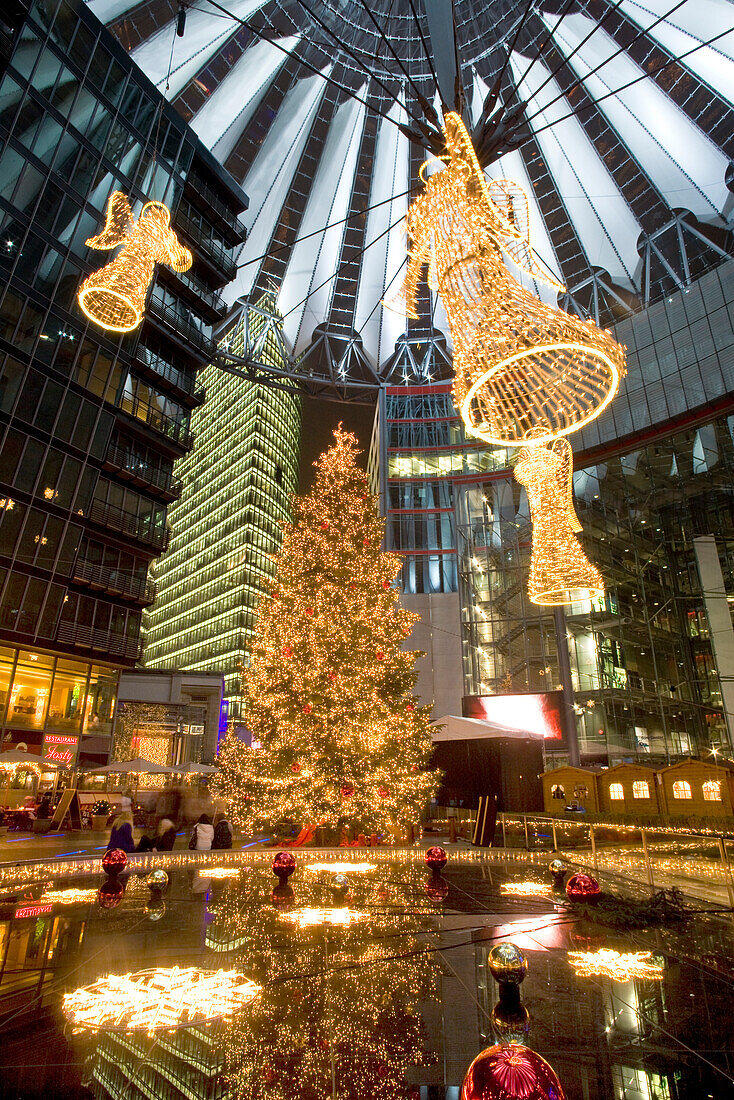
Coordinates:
[339,1014]
[328,692]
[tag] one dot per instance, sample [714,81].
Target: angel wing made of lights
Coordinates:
[118,225]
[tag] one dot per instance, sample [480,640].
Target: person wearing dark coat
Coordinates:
[222,834]
[121,835]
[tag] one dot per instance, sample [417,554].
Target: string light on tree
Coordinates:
[114,297]
[329,686]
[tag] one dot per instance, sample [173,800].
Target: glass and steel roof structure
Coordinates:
[616,117]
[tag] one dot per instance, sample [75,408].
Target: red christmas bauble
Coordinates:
[282,895]
[436,858]
[365,542]
[307,708]
[309,611]
[346,790]
[581,886]
[409,707]
[383,792]
[284,865]
[331,675]
[508,1071]
[380,655]
[287,651]
[386,585]
[110,894]
[437,888]
[382,1070]
[114,861]
[296,767]
[275,595]
[324,526]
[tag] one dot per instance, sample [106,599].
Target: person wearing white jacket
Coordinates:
[202,835]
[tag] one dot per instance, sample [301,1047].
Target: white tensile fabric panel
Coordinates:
[314,261]
[685,166]
[383,262]
[205,33]
[226,114]
[606,227]
[270,176]
[696,22]
[512,167]
[109,10]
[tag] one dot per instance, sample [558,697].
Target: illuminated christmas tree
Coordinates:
[328,693]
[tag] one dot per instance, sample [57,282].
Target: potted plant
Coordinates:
[100,813]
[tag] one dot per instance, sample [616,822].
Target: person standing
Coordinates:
[202,835]
[121,835]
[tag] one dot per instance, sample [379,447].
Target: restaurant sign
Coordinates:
[60,748]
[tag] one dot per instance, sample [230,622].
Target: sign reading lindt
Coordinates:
[59,748]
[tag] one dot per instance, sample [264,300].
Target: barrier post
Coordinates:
[648,864]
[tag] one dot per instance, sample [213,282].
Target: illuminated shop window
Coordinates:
[711,790]
[557,791]
[640,788]
[616,792]
[681,789]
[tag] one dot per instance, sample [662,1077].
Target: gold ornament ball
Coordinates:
[557,867]
[507,963]
[157,880]
[511,1022]
[155,909]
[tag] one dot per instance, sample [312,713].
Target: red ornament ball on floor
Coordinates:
[437,888]
[284,865]
[110,894]
[508,1071]
[114,861]
[436,858]
[581,887]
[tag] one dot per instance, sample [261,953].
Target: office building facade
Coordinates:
[237,484]
[90,422]
[652,661]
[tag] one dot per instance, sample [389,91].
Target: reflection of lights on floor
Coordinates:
[618,965]
[526,889]
[69,897]
[218,872]
[530,935]
[160,999]
[342,868]
[309,916]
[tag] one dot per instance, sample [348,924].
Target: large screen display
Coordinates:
[540,714]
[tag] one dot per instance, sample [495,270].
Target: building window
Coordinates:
[616,793]
[681,789]
[640,788]
[712,790]
[557,791]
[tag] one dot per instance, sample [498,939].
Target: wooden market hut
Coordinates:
[565,785]
[696,788]
[628,789]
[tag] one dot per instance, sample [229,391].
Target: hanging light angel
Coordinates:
[114,297]
[526,373]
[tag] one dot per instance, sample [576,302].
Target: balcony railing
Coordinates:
[203,295]
[182,327]
[104,641]
[222,257]
[127,462]
[213,201]
[154,418]
[141,589]
[107,515]
[164,369]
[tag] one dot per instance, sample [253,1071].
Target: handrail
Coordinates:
[216,203]
[154,418]
[164,369]
[107,515]
[115,580]
[128,460]
[117,645]
[221,256]
[182,326]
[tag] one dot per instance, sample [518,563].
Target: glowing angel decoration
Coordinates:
[114,297]
[521,365]
[560,572]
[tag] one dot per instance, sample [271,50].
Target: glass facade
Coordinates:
[236,488]
[91,423]
[654,490]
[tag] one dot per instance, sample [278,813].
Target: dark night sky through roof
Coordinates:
[319,420]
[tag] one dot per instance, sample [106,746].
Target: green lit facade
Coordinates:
[237,484]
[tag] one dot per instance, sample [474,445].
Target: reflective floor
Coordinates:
[377,987]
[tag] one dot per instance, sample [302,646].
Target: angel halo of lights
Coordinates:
[114,296]
[158,999]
